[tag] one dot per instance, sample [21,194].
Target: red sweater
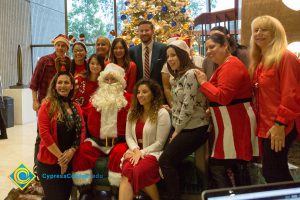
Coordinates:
[85,88]
[277,94]
[48,133]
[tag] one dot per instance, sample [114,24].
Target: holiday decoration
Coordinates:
[113,32]
[183,10]
[72,38]
[81,37]
[169,17]
[123,17]
[150,15]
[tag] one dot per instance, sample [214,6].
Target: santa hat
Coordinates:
[61,38]
[116,71]
[181,45]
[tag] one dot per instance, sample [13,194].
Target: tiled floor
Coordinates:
[17,149]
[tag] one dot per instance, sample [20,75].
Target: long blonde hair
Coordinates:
[276,47]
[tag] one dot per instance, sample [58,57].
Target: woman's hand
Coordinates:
[63,169]
[66,157]
[173,136]
[167,107]
[277,136]
[35,105]
[137,155]
[128,155]
[201,76]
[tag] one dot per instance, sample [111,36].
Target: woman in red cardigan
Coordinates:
[119,55]
[61,128]
[230,94]
[275,73]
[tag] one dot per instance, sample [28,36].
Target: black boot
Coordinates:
[114,192]
[3,134]
[86,192]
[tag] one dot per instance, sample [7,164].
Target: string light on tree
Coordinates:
[169,17]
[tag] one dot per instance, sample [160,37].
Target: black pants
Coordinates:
[185,143]
[275,164]
[36,146]
[56,188]
[3,125]
[228,173]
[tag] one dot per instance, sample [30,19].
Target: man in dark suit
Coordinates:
[149,56]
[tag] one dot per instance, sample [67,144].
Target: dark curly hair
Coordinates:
[136,110]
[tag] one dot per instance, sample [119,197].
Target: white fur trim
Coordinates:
[109,122]
[111,67]
[114,178]
[82,177]
[117,75]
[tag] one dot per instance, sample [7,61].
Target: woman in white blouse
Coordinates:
[147,129]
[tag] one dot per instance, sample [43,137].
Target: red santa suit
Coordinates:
[105,124]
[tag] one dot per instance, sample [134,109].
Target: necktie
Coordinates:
[146,64]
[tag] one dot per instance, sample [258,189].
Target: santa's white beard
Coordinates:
[108,96]
[109,99]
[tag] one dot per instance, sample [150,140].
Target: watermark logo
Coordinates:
[22,176]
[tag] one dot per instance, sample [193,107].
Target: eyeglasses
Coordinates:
[78,51]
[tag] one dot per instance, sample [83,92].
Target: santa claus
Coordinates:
[106,123]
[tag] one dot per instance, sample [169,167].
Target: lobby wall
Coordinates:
[15,30]
[275,8]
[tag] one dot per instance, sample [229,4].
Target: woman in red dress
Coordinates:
[147,129]
[119,55]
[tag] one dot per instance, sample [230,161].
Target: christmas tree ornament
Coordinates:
[185,26]
[173,24]
[150,15]
[164,9]
[183,10]
[123,17]
[126,3]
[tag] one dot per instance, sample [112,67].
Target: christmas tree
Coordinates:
[169,17]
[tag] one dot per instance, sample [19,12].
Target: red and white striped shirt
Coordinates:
[229,91]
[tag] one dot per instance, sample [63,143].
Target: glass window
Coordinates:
[47,21]
[92,18]
[197,7]
[218,5]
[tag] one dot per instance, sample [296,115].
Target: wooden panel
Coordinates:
[290,19]
[15,30]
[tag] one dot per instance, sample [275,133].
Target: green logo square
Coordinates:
[22,176]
